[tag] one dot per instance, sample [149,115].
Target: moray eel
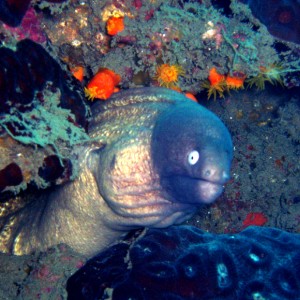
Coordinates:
[154,156]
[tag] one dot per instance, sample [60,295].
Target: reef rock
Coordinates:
[280,17]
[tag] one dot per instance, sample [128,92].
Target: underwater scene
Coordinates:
[150,149]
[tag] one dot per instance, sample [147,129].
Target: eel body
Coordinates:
[152,158]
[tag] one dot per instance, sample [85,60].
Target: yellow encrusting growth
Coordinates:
[167,75]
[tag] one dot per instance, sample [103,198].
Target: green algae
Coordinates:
[45,125]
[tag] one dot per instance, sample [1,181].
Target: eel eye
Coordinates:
[193,157]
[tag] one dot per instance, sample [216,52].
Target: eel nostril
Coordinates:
[207,173]
[216,174]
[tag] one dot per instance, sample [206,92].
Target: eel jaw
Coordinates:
[194,191]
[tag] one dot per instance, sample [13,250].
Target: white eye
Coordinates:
[193,157]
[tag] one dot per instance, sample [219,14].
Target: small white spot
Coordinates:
[254,257]
[257,296]
[223,276]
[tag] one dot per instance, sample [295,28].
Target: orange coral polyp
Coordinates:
[214,77]
[167,75]
[215,84]
[114,25]
[102,85]
[191,96]
[78,72]
[115,77]
[234,82]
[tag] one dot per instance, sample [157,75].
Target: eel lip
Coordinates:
[209,191]
[195,191]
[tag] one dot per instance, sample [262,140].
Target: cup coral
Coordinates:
[167,75]
[235,82]
[78,72]
[271,74]
[218,83]
[115,25]
[102,85]
[215,84]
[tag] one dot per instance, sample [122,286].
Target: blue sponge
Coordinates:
[183,262]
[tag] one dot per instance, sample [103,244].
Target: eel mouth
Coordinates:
[190,190]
